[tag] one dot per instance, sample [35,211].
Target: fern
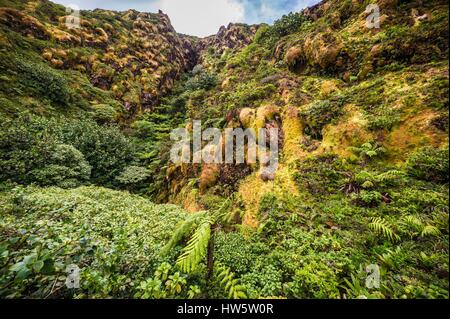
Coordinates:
[391,257]
[430,230]
[183,230]
[413,222]
[368,150]
[391,177]
[224,212]
[420,228]
[228,283]
[196,248]
[381,226]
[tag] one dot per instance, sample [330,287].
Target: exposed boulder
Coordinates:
[247,116]
[295,58]
[323,49]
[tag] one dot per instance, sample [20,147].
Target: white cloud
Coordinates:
[202,17]
[302,4]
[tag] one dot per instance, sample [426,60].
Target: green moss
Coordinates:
[319,114]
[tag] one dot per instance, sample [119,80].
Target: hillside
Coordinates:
[362,176]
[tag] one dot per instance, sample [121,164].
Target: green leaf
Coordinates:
[17,267]
[23,273]
[38,265]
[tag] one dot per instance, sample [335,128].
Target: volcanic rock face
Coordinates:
[234,36]
[137,55]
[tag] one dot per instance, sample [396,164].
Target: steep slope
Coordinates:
[363,115]
[335,83]
[135,57]
[234,36]
[362,180]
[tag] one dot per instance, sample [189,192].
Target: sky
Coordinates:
[202,17]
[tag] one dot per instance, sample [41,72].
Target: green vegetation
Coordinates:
[63,152]
[106,233]
[362,180]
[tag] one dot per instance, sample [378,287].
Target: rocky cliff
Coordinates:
[136,56]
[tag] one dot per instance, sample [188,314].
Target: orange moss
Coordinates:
[349,131]
[415,131]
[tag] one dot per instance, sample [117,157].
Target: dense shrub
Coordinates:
[284,26]
[46,82]
[288,24]
[31,151]
[201,81]
[104,114]
[25,145]
[113,237]
[319,114]
[234,251]
[106,148]
[133,177]
[65,167]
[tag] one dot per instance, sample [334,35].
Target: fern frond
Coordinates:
[430,230]
[413,222]
[195,251]
[183,230]
[390,257]
[229,284]
[224,212]
[390,177]
[381,226]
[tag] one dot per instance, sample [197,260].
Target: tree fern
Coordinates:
[197,246]
[382,226]
[231,286]
[195,251]
[183,230]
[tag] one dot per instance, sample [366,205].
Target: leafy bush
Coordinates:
[201,81]
[113,237]
[430,164]
[133,176]
[104,114]
[46,82]
[319,114]
[233,250]
[29,143]
[65,167]
[105,148]
[314,280]
[288,24]
[284,26]
[264,282]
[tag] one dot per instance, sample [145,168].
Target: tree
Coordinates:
[200,246]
